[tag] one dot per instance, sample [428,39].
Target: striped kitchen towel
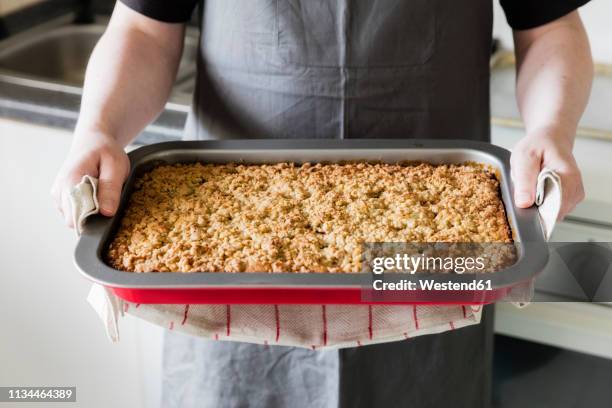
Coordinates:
[310,326]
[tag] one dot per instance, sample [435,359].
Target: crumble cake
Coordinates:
[299,217]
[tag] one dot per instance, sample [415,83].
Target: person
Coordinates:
[333,69]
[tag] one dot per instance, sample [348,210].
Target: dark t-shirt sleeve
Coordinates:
[525,14]
[175,11]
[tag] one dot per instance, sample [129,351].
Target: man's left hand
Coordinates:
[545,149]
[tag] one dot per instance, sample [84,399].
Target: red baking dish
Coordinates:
[310,288]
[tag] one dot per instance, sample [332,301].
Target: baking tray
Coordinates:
[306,288]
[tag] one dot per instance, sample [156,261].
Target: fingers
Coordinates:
[100,157]
[66,208]
[113,171]
[528,158]
[572,188]
[526,165]
[61,195]
[55,194]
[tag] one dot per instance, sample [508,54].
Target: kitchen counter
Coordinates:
[42,72]
[58,106]
[581,327]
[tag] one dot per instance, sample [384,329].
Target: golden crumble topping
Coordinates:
[299,218]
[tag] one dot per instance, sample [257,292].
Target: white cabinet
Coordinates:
[570,231]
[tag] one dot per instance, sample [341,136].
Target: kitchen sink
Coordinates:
[59,55]
[42,72]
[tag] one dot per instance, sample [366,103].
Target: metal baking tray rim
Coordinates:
[524,223]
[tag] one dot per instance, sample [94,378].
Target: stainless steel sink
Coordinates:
[59,55]
[42,71]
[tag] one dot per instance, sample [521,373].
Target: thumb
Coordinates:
[526,166]
[112,175]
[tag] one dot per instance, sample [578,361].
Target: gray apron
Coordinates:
[339,69]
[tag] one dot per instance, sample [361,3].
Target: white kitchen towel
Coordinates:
[84,201]
[548,199]
[310,326]
[318,327]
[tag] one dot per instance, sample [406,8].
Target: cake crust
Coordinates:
[299,217]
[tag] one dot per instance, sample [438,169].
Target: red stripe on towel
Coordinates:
[171,325]
[228,319]
[324,316]
[464,311]
[414,316]
[370,328]
[185,314]
[277,318]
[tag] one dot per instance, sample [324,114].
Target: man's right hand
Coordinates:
[96,155]
[128,81]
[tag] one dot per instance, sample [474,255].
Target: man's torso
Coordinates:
[343,69]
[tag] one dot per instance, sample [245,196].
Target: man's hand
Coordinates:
[100,156]
[545,149]
[129,78]
[554,76]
